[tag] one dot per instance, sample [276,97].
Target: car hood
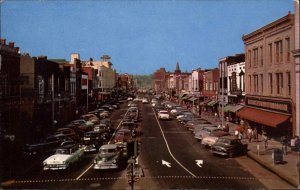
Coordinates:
[222,145]
[57,159]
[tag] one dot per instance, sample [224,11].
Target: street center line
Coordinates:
[84,172]
[169,147]
[97,154]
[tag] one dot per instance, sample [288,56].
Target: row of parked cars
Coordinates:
[211,136]
[69,143]
[115,155]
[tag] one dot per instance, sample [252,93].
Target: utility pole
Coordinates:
[87,95]
[222,79]
[52,89]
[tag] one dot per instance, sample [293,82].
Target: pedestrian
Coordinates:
[240,135]
[284,142]
[265,138]
[293,143]
[250,134]
[255,134]
[226,128]
[297,144]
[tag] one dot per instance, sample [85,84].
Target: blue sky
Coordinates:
[141,36]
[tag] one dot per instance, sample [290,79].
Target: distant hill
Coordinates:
[143,81]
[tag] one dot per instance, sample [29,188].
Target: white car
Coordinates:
[163,114]
[212,138]
[205,131]
[64,158]
[145,101]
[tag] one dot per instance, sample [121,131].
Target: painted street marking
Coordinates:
[166,142]
[124,178]
[166,163]
[199,163]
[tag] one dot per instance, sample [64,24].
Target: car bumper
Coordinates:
[219,152]
[55,167]
[105,166]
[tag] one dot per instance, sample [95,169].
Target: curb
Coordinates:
[7,183]
[270,167]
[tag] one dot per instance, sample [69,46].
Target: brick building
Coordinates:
[270,76]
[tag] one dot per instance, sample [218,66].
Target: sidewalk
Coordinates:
[256,151]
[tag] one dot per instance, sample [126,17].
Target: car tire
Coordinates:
[230,154]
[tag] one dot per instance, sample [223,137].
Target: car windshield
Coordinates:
[62,151]
[163,112]
[110,150]
[224,141]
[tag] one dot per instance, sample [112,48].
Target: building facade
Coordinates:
[296,54]
[270,72]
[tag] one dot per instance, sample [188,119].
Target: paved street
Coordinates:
[168,156]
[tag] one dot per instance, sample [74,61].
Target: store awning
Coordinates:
[232,108]
[212,103]
[182,95]
[192,99]
[186,97]
[264,117]
[204,102]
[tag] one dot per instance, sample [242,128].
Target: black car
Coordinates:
[92,141]
[47,145]
[229,146]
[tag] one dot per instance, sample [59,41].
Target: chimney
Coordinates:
[3,41]
[11,44]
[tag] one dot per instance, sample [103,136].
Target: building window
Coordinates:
[262,82]
[279,82]
[278,51]
[249,58]
[255,82]
[289,87]
[270,54]
[288,49]
[261,56]
[250,83]
[255,57]
[271,83]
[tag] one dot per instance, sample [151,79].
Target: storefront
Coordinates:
[270,115]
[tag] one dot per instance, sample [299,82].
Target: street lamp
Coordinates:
[58,103]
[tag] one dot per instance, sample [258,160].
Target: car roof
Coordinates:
[229,137]
[109,146]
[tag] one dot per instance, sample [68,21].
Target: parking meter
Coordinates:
[298,168]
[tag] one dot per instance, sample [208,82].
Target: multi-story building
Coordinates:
[9,89]
[296,53]
[159,80]
[232,70]
[232,92]
[210,87]
[270,76]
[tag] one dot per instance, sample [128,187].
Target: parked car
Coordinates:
[48,145]
[90,117]
[190,125]
[82,121]
[92,141]
[110,156]
[210,140]
[184,114]
[145,101]
[206,131]
[229,146]
[163,114]
[69,132]
[123,135]
[63,158]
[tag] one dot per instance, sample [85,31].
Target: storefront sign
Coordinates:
[280,106]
